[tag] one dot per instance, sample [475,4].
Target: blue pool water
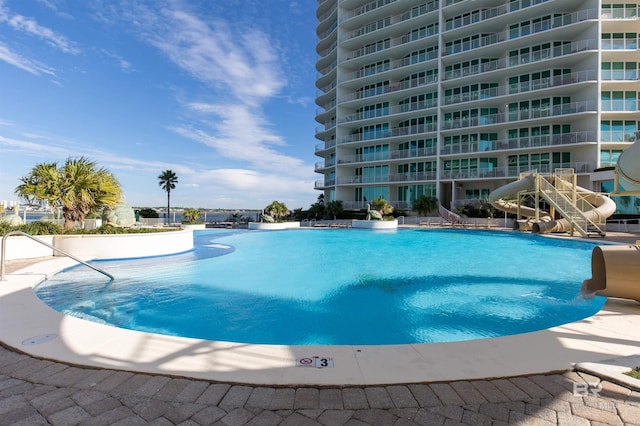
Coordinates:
[339,286]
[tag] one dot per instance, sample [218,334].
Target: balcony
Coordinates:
[459,46]
[321,165]
[395,19]
[413,176]
[326,127]
[514,171]
[519,143]
[395,87]
[522,87]
[531,57]
[323,146]
[367,8]
[389,155]
[521,114]
[395,132]
[356,180]
[322,184]
[396,109]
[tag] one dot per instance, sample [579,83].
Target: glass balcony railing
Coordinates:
[516,60]
[519,143]
[520,87]
[514,171]
[470,43]
[543,111]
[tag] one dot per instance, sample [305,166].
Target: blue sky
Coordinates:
[219,91]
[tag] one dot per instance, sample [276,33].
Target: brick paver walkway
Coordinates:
[35,392]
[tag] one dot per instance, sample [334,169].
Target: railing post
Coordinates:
[2,257]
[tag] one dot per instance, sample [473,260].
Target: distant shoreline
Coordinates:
[207,215]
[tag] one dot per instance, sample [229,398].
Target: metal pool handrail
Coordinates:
[4,250]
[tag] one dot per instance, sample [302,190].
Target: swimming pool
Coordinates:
[339,286]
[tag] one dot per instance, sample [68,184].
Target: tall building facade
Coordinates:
[454,98]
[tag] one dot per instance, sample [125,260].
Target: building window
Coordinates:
[618,130]
[619,11]
[476,194]
[609,157]
[619,70]
[375,68]
[370,193]
[619,101]
[619,41]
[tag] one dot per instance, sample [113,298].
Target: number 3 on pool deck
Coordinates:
[316,361]
[324,362]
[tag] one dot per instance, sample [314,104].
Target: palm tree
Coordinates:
[42,183]
[191,215]
[334,208]
[167,181]
[79,187]
[277,210]
[425,204]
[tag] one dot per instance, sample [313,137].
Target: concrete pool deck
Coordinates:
[62,355]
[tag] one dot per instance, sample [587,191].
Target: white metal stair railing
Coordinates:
[31,237]
[449,216]
[564,205]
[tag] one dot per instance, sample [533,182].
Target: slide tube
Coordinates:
[628,168]
[604,207]
[615,272]
[496,199]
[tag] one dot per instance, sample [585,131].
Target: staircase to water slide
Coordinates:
[573,210]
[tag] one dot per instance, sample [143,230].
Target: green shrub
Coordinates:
[635,373]
[109,229]
[48,228]
[34,228]
[149,213]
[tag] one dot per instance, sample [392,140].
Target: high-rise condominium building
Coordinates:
[454,98]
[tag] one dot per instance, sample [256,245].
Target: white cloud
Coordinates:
[240,65]
[240,132]
[32,149]
[243,64]
[123,64]
[249,189]
[30,26]
[33,67]
[51,4]
[6,123]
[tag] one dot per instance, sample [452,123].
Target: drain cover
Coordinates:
[39,339]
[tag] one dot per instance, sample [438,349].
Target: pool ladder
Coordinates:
[4,250]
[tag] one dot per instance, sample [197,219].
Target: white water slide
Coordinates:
[593,208]
[627,176]
[628,168]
